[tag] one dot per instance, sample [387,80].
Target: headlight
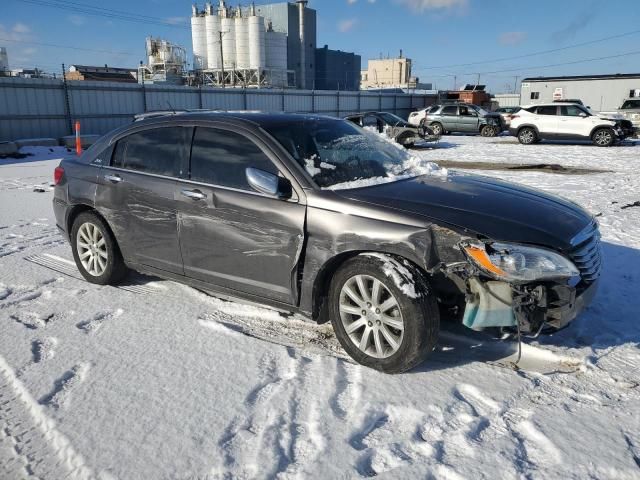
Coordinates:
[519,262]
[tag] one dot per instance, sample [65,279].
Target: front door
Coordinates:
[467,119]
[573,121]
[448,117]
[136,195]
[231,235]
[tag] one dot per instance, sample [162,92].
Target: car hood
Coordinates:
[486,206]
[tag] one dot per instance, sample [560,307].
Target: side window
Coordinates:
[450,110]
[535,95]
[547,110]
[220,157]
[571,111]
[161,151]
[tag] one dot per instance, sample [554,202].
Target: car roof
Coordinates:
[257,118]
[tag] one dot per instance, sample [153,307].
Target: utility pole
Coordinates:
[221,58]
[478,82]
[515,84]
[455,82]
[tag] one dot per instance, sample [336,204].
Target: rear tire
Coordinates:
[603,137]
[527,136]
[437,128]
[95,250]
[393,332]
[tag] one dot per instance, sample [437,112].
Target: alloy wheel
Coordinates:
[527,137]
[603,137]
[371,316]
[92,249]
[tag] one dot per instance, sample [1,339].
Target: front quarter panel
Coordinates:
[338,228]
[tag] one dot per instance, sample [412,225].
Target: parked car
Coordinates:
[630,111]
[564,121]
[464,118]
[264,208]
[417,118]
[394,127]
[506,113]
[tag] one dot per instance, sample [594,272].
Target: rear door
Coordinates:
[448,117]
[546,119]
[231,235]
[136,195]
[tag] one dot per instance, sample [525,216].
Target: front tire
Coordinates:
[527,136]
[383,312]
[488,131]
[603,137]
[437,128]
[95,250]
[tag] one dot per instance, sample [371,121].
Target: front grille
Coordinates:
[586,253]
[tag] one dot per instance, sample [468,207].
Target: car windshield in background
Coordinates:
[336,151]
[480,110]
[392,119]
[629,104]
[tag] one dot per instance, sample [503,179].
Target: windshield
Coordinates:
[629,104]
[478,109]
[337,152]
[392,119]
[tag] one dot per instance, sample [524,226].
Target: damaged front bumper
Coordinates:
[530,307]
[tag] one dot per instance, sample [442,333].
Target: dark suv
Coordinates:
[316,215]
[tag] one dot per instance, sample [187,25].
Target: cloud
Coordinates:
[21,28]
[77,20]
[422,5]
[351,2]
[581,22]
[176,20]
[347,25]
[371,1]
[512,38]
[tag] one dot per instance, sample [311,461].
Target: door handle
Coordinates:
[113,178]
[194,194]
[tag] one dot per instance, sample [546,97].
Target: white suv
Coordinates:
[563,121]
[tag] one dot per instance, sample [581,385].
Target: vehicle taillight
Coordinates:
[513,117]
[58,173]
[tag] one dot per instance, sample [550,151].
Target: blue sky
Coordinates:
[439,35]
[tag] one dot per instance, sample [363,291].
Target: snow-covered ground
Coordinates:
[153,379]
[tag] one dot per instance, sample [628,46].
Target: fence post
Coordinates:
[380,101]
[67,103]
[144,96]
[313,101]
[200,96]
[282,104]
[395,104]
[359,101]
[244,97]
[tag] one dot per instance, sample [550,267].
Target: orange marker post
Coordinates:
[78,142]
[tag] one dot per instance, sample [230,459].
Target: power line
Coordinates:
[543,52]
[535,67]
[28,42]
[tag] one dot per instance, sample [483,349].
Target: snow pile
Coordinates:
[310,166]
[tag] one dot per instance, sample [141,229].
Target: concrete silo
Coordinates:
[199,39]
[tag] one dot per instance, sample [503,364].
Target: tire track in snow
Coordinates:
[35,448]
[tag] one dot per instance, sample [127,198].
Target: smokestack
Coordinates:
[303,46]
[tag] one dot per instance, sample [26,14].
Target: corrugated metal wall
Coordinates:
[33,108]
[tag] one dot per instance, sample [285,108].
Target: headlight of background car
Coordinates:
[520,263]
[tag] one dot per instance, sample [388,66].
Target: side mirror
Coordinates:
[268,183]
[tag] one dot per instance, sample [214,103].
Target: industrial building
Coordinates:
[101,74]
[600,92]
[337,70]
[4,60]
[166,62]
[388,73]
[271,45]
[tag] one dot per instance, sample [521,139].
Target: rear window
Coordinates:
[160,151]
[547,110]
